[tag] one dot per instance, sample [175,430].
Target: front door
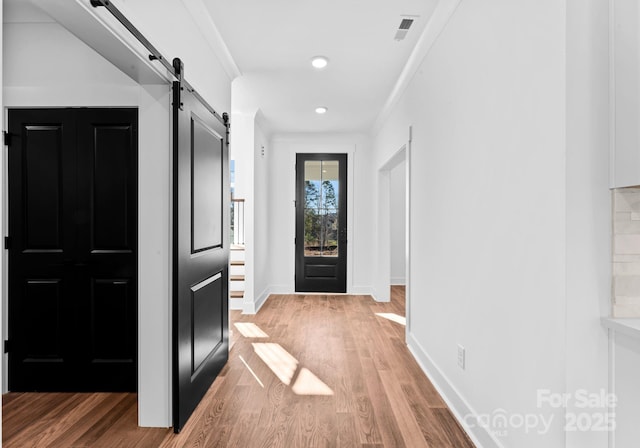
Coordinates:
[321,223]
[201,251]
[72,249]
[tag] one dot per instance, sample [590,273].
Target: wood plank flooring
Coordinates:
[329,373]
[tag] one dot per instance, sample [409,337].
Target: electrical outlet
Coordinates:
[461,360]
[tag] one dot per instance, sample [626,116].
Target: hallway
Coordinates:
[309,371]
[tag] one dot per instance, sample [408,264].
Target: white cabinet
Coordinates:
[625,93]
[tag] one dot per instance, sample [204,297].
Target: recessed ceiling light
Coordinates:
[319,61]
[321,110]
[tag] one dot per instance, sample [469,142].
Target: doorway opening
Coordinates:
[397,223]
[394,224]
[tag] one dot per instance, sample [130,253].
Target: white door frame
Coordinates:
[382,282]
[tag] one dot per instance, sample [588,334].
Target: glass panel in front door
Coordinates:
[321,217]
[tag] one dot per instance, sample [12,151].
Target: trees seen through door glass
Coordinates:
[321,215]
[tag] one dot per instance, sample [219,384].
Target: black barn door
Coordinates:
[72,258]
[321,223]
[201,251]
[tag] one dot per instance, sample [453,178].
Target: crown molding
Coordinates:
[209,30]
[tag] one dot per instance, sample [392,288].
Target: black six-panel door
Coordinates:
[72,257]
[201,251]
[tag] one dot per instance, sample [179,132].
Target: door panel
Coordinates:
[73,227]
[207,309]
[112,315]
[43,297]
[201,252]
[321,219]
[42,164]
[110,201]
[109,181]
[206,198]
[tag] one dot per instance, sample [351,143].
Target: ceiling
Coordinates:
[272,43]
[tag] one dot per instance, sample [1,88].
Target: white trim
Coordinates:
[279,289]
[378,297]
[398,281]
[382,280]
[361,291]
[254,306]
[407,232]
[627,326]
[211,34]
[612,96]
[438,21]
[155,255]
[382,219]
[458,406]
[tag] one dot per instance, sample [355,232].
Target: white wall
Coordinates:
[359,206]
[65,72]
[487,107]
[397,183]
[588,205]
[168,25]
[242,142]
[252,184]
[261,196]
[155,257]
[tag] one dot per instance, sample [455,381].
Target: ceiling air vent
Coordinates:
[403,29]
[405,24]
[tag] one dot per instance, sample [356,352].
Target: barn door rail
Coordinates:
[176,68]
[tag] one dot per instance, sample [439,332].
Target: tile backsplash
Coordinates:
[626,252]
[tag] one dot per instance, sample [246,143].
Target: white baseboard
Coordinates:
[398,281]
[361,290]
[457,404]
[379,297]
[254,306]
[280,289]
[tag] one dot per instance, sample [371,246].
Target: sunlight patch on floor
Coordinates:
[278,359]
[250,330]
[309,384]
[394,317]
[284,366]
[251,370]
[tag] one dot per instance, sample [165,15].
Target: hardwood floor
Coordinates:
[329,373]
